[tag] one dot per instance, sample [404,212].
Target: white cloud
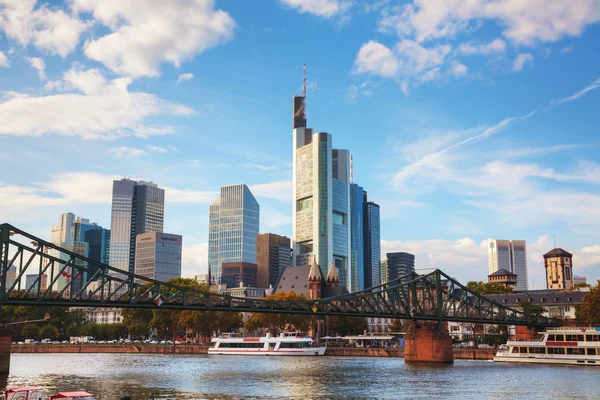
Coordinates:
[48,29]
[184,77]
[322,8]
[196,164]
[279,190]
[363,89]
[458,69]
[142,36]
[521,60]
[375,58]
[156,149]
[260,167]
[271,219]
[125,153]
[39,65]
[4,63]
[194,259]
[578,94]
[174,195]
[495,46]
[93,109]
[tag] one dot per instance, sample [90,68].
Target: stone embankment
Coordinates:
[459,354]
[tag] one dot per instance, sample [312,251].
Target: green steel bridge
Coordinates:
[61,277]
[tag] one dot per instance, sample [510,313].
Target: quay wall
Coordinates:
[459,354]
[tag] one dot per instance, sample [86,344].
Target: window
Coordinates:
[592,338]
[339,219]
[300,345]
[305,204]
[537,350]
[591,352]
[556,350]
[575,350]
[523,350]
[560,338]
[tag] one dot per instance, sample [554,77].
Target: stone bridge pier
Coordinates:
[428,342]
[5,343]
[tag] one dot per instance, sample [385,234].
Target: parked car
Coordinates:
[65,342]
[485,346]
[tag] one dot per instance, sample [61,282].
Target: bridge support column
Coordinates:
[5,343]
[428,342]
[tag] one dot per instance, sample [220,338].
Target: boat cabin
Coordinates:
[74,396]
[24,392]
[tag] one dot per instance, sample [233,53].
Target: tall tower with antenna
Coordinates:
[299,105]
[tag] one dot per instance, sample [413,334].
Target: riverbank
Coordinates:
[459,354]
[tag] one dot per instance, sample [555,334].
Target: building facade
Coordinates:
[399,264]
[578,280]
[238,274]
[232,229]
[510,255]
[559,269]
[158,255]
[101,315]
[383,268]
[98,241]
[504,278]
[34,285]
[357,242]
[273,254]
[137,207]
[372,243]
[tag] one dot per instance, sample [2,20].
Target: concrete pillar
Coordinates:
[427,342]
[5,343]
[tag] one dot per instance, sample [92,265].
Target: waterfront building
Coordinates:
[232,229]
[559,269]
[238,274]
[307,281]
[273,254]
[104,315]
[372,243]
[504,278]
[510,255]
[379,325]
[578,280]
[356,276]
[137,207]
[158,255]
[399,264]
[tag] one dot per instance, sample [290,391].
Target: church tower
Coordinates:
[315,280]
[333,279]
[559,269]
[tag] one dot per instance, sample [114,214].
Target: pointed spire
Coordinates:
[315,271]
[332,275]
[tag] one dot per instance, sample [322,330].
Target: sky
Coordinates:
[466,120]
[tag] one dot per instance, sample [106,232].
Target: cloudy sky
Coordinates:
[466,120]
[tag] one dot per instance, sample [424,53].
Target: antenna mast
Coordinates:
[304,90]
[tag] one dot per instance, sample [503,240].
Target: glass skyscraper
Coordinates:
[137,207]
[158,256]
[372,243]
[357,267]
[232,228]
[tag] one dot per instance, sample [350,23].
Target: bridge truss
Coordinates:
[57,276]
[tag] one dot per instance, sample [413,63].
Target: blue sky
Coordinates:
[465,123]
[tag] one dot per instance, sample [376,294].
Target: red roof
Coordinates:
[67,395]
[23,389]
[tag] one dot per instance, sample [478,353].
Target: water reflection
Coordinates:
[228,377]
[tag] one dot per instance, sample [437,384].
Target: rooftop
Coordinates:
[558,252]
[502,272]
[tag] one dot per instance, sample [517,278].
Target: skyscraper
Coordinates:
[158,255]
[399,264]
[98,241]
[66,234]
[372,243]
[232,228]
[321,193]
[510,255]
[273,254]
[357,260]
[137,207]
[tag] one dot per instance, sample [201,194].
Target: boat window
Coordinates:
[593,338]
[299,345]
[245,345]
[556,350]
[592,352]
[537,350]
[515,350]
[560,338]
[522,350]
[580,338]
[575,350]
[551,338]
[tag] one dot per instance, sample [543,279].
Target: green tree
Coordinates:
[485,288]
[589,311]
[580,285]
[277,323]
[49,331]
[31,331]
[340,325]
[531,309]
[397,326]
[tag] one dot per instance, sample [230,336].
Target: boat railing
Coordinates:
[567,329]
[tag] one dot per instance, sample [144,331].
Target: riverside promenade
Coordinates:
[459,354]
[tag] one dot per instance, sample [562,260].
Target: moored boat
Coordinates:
[286,344]
[575,346]
[37,393]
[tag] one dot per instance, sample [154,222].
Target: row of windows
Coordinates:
[301,345]
[554,350]
[574,338]
[244,345]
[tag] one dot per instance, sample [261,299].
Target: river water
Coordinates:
[229,377]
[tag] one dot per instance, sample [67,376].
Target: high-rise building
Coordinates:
[273,254]
[33,284]
[399,264]
[232,228]
[98,241]
[510,255]
[137,207]
[383,267]
[11,274]
[372,243]
[158,255]
[321,193]
[559,269]
[356,277]
[578,280]
[64,235]
[238,274]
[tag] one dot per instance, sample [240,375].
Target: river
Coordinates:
[228,377]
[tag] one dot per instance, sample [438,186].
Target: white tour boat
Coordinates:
[576,346]
[287,344]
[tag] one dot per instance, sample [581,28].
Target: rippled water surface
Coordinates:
[110,376]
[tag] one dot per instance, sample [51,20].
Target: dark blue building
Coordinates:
[372,242]
[357,267]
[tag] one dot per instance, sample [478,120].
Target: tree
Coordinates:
[589,311]
[277,323]
[31,331]
[340,325]
[397,326]
[49,331]
[485,288]
[580,285]
[531,309]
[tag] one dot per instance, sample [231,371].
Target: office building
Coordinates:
[98,241]
[357,261]
[232,229]
[273,254]
[578,280]
[238,274]
[137,207]
[321,193]
[372,243]
[33,284]
[67,235]
[11,274]
[158,255]
[559,269]
[510,255]
[383,268]
[399,264]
